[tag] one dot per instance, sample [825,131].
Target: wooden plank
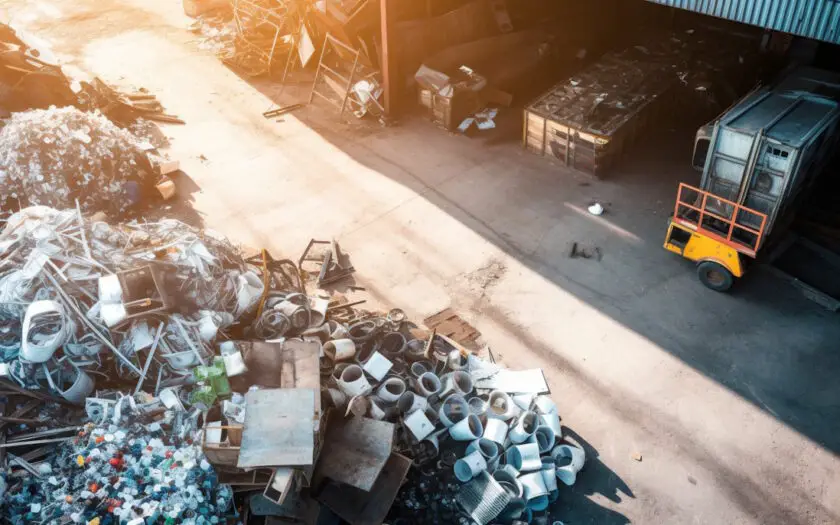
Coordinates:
[450,324]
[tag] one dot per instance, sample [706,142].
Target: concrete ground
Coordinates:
[732,401]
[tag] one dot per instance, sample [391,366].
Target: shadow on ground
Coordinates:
[575,504]
[764,341]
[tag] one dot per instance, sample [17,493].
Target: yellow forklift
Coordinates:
[758,159]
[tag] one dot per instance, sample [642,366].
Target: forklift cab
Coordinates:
[757,159]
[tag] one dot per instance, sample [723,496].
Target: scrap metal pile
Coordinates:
[336,40]
[591,119]
[704,68]
[57,156]
[63,140]
[151,374]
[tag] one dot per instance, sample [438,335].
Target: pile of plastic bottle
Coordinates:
[128,473]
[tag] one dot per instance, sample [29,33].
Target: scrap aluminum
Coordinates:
[54,157]
[56,328]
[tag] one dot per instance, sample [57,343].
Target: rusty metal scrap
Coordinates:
[607,94]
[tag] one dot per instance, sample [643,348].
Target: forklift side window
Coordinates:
[701,150]
[768,183]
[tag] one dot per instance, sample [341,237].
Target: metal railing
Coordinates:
[692,209]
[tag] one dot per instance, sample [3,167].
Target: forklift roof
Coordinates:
[791,112]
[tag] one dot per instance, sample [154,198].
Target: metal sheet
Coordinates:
[355,450]
[358,507]
[483,498]
[817,19]
[488,376]
[301,369]
[264,362]
[278,428]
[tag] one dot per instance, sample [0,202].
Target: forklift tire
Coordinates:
[715,276]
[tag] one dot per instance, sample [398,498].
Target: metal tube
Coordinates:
[524,458]
[391,390]
[469,466]
[453,410]
[496,430]
[467,429]
[524,428]
[533,485]
[90,326]
[353,381]
[149,359]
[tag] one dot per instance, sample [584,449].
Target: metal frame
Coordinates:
[732,221]
[336,45]
[275,19]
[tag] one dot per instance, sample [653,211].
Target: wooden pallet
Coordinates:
[448,323]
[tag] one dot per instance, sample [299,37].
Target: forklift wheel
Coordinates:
[715,276]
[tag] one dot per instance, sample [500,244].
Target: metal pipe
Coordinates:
[409,402]
[467,429]
[545,405]
[477,405]
[459,382]
[391,390]
[524,458]
[524,428]
[353,381]
[453,410]
[501,406]
[545,438]
[340,349]
[495,430]
[568,460]
[533,485]
[427,384]
[507,478]
[552,421]
[469,466]
[419,368]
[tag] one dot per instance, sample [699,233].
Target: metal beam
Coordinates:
[389,83]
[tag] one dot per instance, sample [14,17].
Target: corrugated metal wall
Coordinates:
[817,19]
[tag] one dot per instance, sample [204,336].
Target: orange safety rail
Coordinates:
[697,200]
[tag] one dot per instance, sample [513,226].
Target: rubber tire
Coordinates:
[715,276]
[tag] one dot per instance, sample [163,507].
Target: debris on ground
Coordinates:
[596,209]
[590,119]
[28,81]
[152,374]
[64,141]
[580,251]
[58,156]
[339,42]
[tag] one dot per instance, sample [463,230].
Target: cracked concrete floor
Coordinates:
[731,400]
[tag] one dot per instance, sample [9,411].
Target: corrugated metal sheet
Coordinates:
[817,19]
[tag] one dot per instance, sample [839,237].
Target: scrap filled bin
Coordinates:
[588,121]
[157,376]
